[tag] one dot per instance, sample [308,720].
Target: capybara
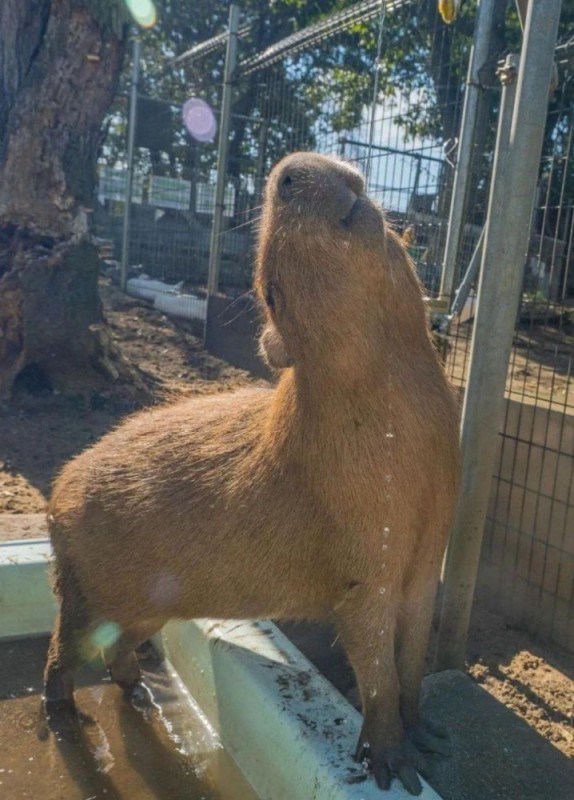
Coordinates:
[328,496]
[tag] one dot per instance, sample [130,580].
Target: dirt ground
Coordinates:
[39,433]
[540,364]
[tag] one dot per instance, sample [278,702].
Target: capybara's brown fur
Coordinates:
[330,495]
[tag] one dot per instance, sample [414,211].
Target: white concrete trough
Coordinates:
[289,731]
[168,298]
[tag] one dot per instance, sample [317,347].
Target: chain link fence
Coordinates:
[528,556]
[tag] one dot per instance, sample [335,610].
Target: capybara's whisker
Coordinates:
[236,300]
[241,225]
[249,210]
[239,314]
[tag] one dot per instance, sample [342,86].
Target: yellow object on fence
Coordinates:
[448,9]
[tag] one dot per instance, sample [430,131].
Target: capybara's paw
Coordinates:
[61,718]
[431,738]
[138,695]
[60,708]
[386,762]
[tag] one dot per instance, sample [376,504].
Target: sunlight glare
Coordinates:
[143,11]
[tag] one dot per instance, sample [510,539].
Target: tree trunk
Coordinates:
[59,65]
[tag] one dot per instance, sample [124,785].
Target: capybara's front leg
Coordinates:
[367,632]
[413,628]
[123,665]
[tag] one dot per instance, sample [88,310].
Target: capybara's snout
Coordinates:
[302,185]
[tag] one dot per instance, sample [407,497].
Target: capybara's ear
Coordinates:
[273,349]
[408,236]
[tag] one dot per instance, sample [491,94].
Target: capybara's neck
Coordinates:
[376,374]
[380,349]
[367,387]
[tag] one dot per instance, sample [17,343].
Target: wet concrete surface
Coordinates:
[118,752]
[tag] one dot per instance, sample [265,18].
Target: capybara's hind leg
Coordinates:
[122,661]
[59,671]
[64,657]
[65,652]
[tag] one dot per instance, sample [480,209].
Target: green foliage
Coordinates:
[336,70]
[325,88]
[328,86]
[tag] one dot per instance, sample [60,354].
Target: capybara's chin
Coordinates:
[329,495]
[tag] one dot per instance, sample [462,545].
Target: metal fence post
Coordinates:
[124,265]
[506,242]
[222,151]
[478,57]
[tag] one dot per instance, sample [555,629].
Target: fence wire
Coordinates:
[312,89]
[529,545]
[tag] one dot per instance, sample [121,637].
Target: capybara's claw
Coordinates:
[386,762]
[429,739]
[392,761]
[383,777]
[60,708]
[62,719]
[138,695]
[407,775]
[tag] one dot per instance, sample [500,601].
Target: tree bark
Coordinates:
[59,65]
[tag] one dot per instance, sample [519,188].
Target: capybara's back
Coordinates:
[330,495]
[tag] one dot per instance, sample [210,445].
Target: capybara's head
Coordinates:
[328,267]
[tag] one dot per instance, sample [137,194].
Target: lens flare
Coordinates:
[199,120]
[143,11]
[105,635]
[448,9]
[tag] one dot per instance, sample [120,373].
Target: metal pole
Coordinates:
[417,176]
[478,57]
[222,151]
[261,157]
[522,7]
[130,179]
[463,290]
[368,164]
[505,247]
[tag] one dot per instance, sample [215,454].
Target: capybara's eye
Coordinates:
[285,187]
[269,299]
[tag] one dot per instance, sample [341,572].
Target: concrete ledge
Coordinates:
[289,731]
[272,707]
[14,527]
[27,605]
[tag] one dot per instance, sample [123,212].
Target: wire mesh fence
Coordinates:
[529,546]
[310,90]
[310,85]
